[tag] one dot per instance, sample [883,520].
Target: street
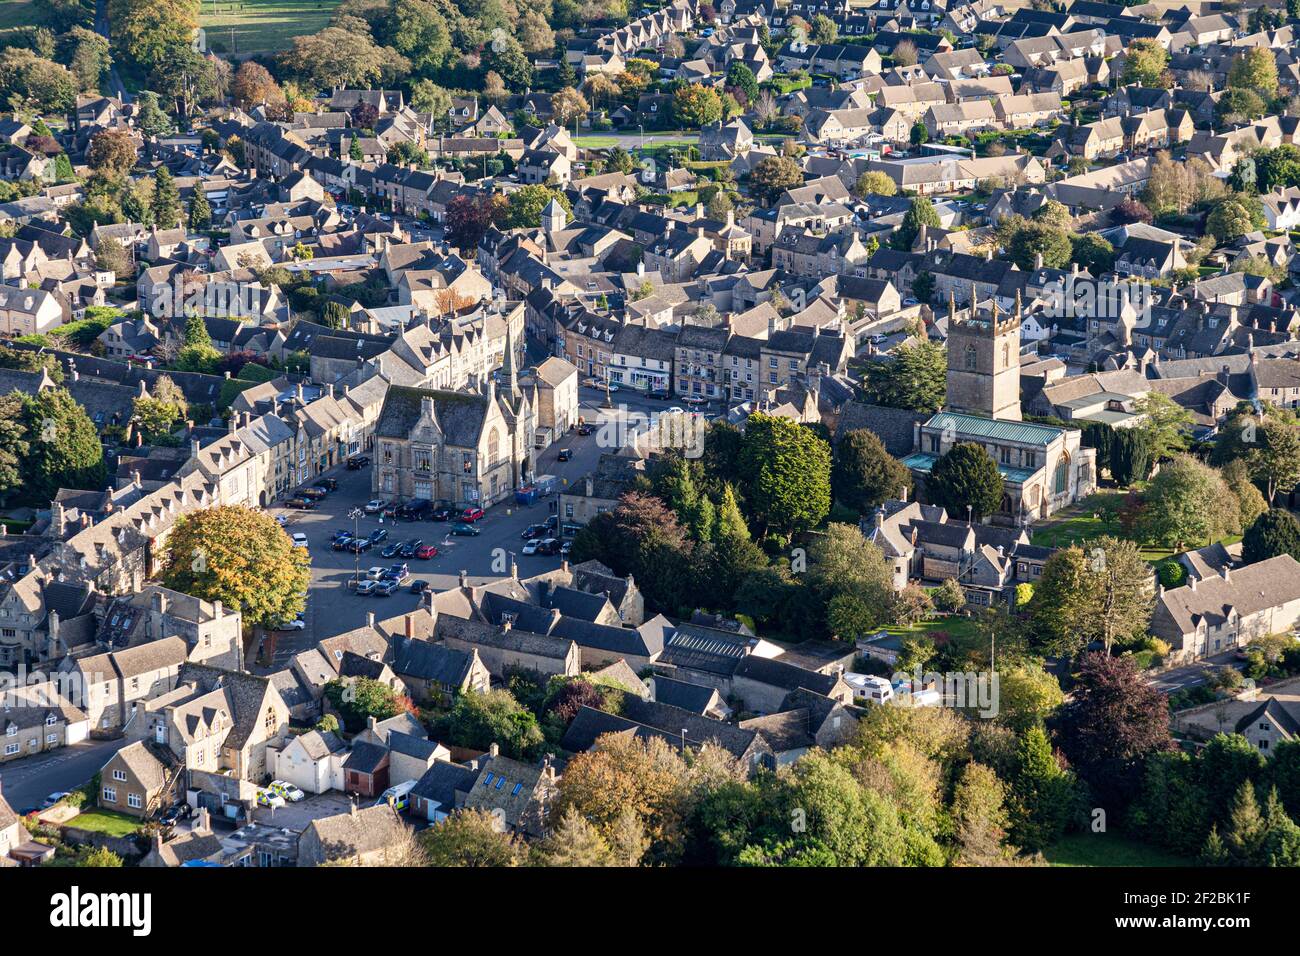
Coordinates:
[1189,675]
[26,782]
[333,607]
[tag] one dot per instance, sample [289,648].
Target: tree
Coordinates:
[111,256]
[14,443]
[253,85]
[429,97]
[863,474]
[1130,456]
[199,214]
[1063,595]
[1028,695]
[469,217]
[1044,797]
[358,699]
[1092,252]
[63,445]
[471,838]
[874,183]
[1274,532]
[772,176]
[338,57]
[1112,721]
[242,558]
[1165,424]
[144,31]
[1035,240]
[1145,63]
[787,467]
[154,417]
[1276,462]
[1231,218]
[742,78]
[915,377]
[1124,591]
[111,153]
[966,476]
[1131,210]
[905,54]
[166,199]
[569,105]
[1184,505]
[526,205]
[949,598]
[920,213]
[101,857]
[480,720]
[573,842]
[842,563]
[1255,70]
[979,816]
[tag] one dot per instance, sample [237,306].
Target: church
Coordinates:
[1044,467]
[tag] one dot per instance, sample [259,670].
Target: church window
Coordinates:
[1060,482]
[494,447]
[1006,354]
[971,358]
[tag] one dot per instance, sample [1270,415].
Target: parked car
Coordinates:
[359,545]
[303,504]
[297,624]
[584,429]
[471,514]
[54,798]
[327,484]
[565,454]
[341,543]
[426,551]
[566,549]
[398,573]
[391,550]
[299,539]
[375,573]
[282,520]
[415,510]
[373,506]
[175,814]
[419,586]
[379,534]
[530,547]
[269,798]
[442,514]
[533,531]
[385,588]
[464,529]
[357,462]
[549,546]
[287,790]
[408,550]
[315,494]
[366,588]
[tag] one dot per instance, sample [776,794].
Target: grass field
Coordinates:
[957,627]
[1109,849]
[261,25]
[105,821]
[17,13]
[1091,518]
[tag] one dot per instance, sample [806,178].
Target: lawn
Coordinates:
[17,13]
[107,822]
[261,25]
[596,141]
[1090,519]
[957,627]
[1109,849]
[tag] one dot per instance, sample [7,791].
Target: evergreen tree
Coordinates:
[166,199]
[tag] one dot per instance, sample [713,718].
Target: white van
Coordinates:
[399,794]
[869,689]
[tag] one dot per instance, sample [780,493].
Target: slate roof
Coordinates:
[460,415]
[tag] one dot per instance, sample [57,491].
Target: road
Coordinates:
[102,28]
[1190,675]
[333,608]
[26,782]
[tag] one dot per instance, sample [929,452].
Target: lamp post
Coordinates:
[355,515]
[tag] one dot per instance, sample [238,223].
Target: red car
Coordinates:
[426,551]
[471,514]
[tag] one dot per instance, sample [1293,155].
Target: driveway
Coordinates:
[297,816]
[1190,675]
[26,782]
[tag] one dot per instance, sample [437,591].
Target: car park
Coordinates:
[303,504]
[341,543]
[584,429]
[299,623]
[373,506]
[375,573]
[531,546]
[471,514]
[366,588]
[533,531]
[359,545]
[398,573]
[385,588]
[357,462]
[464,529]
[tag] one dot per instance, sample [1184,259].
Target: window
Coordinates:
[110,794]
[51,738]
[119,775]
[133,800]
[11,732]
[487,781]
[972,359]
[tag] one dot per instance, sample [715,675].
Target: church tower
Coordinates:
[984,361]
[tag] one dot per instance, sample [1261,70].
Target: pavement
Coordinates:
[27,781]
[334,608]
